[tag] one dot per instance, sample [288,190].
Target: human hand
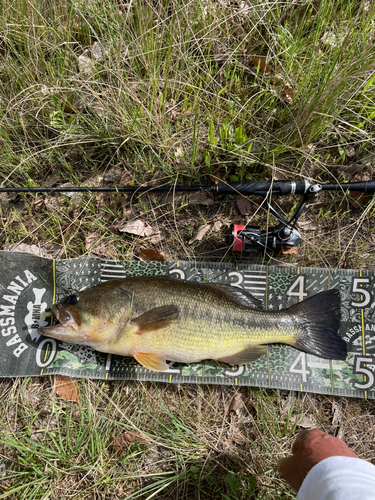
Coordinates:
[310,448]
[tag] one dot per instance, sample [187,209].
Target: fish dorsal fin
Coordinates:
[247,355]
[238,295]
[154,362]
[156,318]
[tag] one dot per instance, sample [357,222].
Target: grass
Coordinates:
[190,443]
[165,92]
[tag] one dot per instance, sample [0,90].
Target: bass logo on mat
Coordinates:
[32,319]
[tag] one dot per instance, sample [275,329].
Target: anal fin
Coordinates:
[247,355]
[154,362]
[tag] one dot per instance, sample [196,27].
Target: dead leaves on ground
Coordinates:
[96,245]
[66,388]
[122,442]
[88,58]
[244,205]
[199,235]
[150,254]
[48,250]
[362,171]
[283,89]
[308,225]
[201,198]
[289,250]
[138,228]
[238,414]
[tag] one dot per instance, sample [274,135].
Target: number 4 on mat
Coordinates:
[297,288]
[300,361]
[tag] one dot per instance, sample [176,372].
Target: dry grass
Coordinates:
[186,439]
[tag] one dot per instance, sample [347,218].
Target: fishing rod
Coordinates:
[246,188]
[243,239]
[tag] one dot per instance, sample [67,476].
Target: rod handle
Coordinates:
[262,188]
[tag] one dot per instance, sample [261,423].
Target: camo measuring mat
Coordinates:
[31,284]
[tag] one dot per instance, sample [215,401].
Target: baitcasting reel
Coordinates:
[251,239]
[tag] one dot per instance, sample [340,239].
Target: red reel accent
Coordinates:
[238,244]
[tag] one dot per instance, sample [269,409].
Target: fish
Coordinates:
[159,319]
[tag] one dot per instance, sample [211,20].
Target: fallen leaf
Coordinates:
[113,175]
[53,202]
[157,238]
[350,151]
[150,254]
[174,199]
[202,230]
[122,442]
[340,432]
[201,198]
[66,388]
[179,153]
[351,170]
[96,51]
[139,228]
[287,94]
[356,198]
[49,250]
[91,239]
[237,437]
[236,411]
[70,194]
[95,245]
[279,176]
[237,405]
[85,63]
[276,79]
[244,205]
[217,226]
[235,218]
[305,421]
[52,180]
[308,225]
[68,108]
[172,115]
[289,250]
[261,62]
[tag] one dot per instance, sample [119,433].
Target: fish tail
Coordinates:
[318,323]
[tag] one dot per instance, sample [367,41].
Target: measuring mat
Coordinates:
[30,284]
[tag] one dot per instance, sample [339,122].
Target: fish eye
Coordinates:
[73,299]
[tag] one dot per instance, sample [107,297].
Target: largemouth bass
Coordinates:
[155,319]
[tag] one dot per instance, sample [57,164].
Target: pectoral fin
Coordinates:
[155,362]
[248,355]
[156,318]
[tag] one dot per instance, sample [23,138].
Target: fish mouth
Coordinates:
[66,329]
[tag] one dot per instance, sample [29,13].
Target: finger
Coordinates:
[307,435]
[299,440]
[284,465]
